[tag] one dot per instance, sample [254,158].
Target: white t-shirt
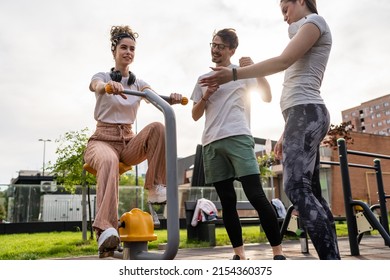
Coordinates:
[227,110]
[111,108]
[302,80]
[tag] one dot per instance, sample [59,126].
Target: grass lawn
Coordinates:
[67,244]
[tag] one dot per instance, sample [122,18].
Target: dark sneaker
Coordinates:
[108,242]
[237,258]
[279,258]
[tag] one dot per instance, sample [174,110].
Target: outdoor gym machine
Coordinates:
[136,227]
[135,234]
[349,203]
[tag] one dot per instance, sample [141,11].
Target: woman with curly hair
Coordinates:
[114,140]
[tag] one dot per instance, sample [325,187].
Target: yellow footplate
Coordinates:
[138,226]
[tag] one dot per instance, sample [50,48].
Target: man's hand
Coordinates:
[245,61]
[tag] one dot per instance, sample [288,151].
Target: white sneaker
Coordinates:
[108,242]
[158,195]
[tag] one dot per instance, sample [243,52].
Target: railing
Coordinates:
[66,207]
[383,226]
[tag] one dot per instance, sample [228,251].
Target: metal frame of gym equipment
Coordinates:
[383,226]
[138,249]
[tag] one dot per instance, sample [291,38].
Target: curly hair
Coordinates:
[120,32]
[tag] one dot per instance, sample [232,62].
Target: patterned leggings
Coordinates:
[305,127]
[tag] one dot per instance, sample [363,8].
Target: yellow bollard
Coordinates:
[138,226]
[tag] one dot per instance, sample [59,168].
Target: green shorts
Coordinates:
[231,157]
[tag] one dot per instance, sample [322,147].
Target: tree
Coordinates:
[3,205]
[2,213]
[265,162]
[128,179]
[69,164]
[338,131]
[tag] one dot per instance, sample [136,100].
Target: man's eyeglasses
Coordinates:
[218,46]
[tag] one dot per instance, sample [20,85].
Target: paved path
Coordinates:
[370,247]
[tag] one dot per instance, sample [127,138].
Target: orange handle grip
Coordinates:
[108,88]
[184,101]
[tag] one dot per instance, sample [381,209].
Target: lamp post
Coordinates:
[44,151]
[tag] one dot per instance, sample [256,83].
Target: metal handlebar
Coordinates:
[173,228]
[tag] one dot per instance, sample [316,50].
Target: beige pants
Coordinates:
[112,143]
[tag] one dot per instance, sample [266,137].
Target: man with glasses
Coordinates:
[228,145]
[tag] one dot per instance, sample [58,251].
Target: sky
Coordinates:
[49,51]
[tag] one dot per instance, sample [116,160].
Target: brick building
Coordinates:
[363,181]
[370,117]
